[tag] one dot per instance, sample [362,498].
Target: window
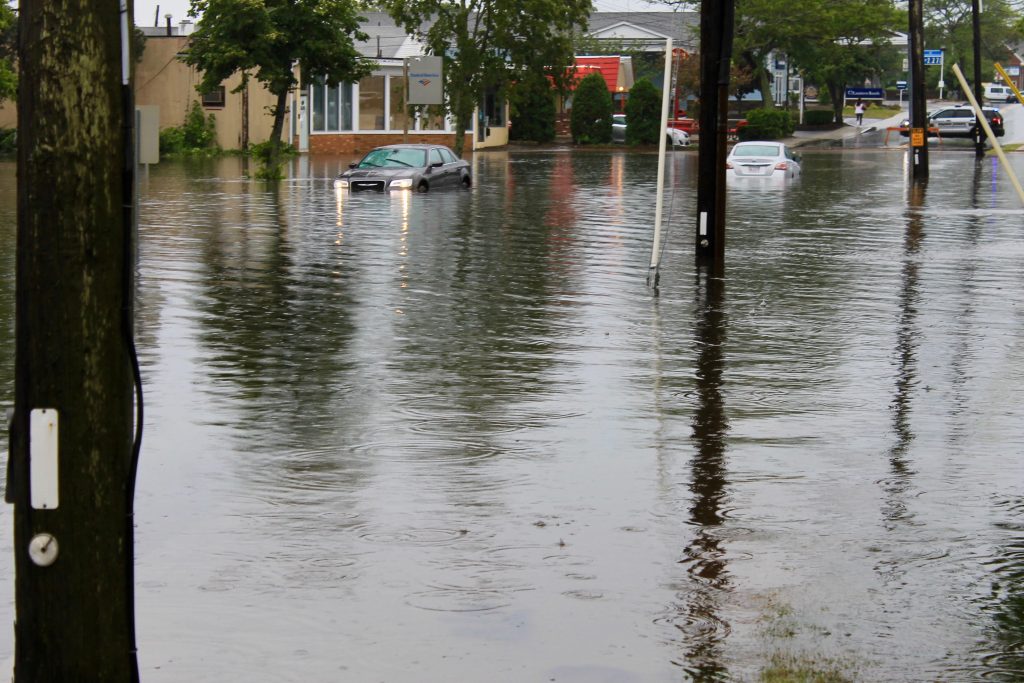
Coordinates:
[318,104]
[331,106]
[371,103]
[435,156]
[448,157]
[214,98]
[432,118]
[494,108]
[397,119]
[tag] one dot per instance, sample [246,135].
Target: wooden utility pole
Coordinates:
[716,30]
[71,483]
[979,90]
[918,148]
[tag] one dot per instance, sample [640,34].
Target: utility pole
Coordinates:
[716,32]
[918,148]
[979,133]
[71,468]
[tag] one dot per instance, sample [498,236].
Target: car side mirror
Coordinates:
[352,165]
[437,164]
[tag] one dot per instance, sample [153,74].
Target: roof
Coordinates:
[649,28]
[617,71]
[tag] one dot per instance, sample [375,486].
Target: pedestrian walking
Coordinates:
[858,109]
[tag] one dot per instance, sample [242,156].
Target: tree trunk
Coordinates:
[273,158]
[73,324]
[836,92]
[765,85]
[463,116]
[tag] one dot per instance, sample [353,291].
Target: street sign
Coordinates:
[865,94]
[901,85]
[933,57]
[917,137]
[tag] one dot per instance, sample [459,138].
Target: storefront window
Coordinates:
[318,104]
[371,103]
[345,106]
[332,108]
[432,117]
[398,118]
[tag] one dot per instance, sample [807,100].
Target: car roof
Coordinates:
[408,145]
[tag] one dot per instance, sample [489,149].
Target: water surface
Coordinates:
[455,437]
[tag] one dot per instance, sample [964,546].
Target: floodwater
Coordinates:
[455,437]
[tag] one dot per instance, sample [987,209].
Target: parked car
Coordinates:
[406,167]
[673,136]
[999,93]
[762,159]
[958,121]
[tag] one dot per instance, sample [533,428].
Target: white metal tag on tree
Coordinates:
[42,456]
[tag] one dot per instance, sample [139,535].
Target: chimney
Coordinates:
[186,27]
[168,18]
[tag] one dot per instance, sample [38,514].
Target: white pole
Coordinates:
[979,116]
[659,198]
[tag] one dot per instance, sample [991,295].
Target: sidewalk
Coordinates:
[850,130]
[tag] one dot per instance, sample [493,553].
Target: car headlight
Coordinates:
[340,184]
[401,183]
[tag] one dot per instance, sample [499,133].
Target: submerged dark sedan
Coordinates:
[406,167]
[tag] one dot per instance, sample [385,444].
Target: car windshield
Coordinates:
[755,151]
[394,157]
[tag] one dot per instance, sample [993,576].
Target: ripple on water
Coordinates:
[459,599]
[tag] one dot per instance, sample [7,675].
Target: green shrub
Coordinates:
[819,117]
[198,135]
[8,141]
[591,118]
[766,124]
[533,110]
[643,112]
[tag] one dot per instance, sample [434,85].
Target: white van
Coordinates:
[999,93]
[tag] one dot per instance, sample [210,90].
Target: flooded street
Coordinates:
[454,437]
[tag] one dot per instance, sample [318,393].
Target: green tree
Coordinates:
[490,43]
[643,112]
[8,49]
[850,43]
[948,26]
[591,118]
[266,38]
[533,109]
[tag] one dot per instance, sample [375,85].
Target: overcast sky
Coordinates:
[146,10]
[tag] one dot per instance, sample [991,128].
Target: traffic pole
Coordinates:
[918,148]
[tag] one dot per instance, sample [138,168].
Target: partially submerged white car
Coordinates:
[762,159]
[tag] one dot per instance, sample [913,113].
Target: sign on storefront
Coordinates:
[425,84]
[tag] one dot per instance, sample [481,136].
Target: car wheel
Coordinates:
[422,187]
[466,182]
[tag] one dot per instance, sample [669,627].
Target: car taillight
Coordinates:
[998,120]
[781,166]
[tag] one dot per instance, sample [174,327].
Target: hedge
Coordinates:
[591,117]
[767,124]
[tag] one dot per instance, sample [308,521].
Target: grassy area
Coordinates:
[785,668]
[1012,147]
[874,111]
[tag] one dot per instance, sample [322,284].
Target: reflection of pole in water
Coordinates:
[906,360]
[704,557]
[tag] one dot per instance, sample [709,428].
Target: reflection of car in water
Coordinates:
[958,122]
[406,167]
[756,159]
[673,136]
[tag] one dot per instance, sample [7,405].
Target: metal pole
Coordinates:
[918,147]
[979,136]
[660,196]
[405,99]
[980,116]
